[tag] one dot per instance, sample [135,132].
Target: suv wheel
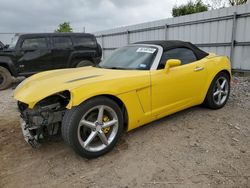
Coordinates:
[84,63]
[5,78]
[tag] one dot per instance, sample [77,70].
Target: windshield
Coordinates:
[131,57]
[13,42]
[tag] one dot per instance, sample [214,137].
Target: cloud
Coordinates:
[45,15]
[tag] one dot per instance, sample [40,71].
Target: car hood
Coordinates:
[41,85]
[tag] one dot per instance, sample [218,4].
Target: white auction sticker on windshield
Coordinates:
[146,50]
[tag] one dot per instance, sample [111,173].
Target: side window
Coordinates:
[88,42]
[62,42]
[184,54]
[34,43]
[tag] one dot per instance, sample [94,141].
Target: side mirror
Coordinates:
[172,63]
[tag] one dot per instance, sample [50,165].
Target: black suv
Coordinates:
[32,53]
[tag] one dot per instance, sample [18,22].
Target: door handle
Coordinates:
[198,68]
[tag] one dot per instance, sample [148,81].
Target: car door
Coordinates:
[61,49]
[180,86]
[34,55]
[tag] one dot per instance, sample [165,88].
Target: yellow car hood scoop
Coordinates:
[82,78]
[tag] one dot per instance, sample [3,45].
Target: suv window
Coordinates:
[62,42]
[84,42]
[13,42]
[34,43]
[184,54]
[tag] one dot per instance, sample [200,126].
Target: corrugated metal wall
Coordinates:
[225,31]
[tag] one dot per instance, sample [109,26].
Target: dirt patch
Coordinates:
[197,147]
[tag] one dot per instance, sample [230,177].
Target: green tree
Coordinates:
[64,27]
[216,4]
[237,2]
[189,8]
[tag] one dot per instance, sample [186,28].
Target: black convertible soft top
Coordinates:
[171,44]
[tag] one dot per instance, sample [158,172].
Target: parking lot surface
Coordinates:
[197,147]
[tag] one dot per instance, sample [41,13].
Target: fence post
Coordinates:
[128,38]
[233,38]
[103,49]
[166,31]
[102,40]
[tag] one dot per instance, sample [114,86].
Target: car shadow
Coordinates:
[170,117]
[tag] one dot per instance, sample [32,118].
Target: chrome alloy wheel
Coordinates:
[220,91]
[97,128]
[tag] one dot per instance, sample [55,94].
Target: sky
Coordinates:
[94,15]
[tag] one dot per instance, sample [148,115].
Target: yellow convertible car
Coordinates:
[139,83]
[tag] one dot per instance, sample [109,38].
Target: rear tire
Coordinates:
[5,78]
[218,91]
[94,127]
[84,63]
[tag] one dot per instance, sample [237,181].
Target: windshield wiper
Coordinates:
[116,68]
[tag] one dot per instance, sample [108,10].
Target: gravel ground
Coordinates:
[197,147]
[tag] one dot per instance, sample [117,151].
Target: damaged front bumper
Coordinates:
[28,135]
[44,120]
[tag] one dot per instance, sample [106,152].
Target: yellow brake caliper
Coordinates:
[106,119]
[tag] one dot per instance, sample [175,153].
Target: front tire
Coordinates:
[5,78]
[218,92]
[94,127]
